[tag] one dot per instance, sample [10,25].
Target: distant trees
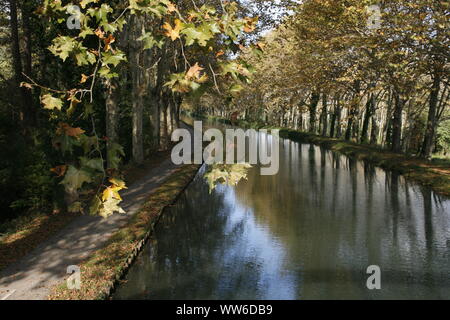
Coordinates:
[326,71]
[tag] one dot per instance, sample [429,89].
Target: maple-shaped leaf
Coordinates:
[173,32]
[75,178]
[118,182]
[111,192]
[110,206]
[113,58]
[95,164]
[171,7]
[51,102]
[66,129]
[84,3]
[194,72]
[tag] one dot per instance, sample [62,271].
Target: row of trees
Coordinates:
[87,85]
[337,69]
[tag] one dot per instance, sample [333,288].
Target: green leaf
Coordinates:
[113,58]
[75,178]
[62,46]
[95,164]
[115,151]
[51,102]
[150,41]
[95,206]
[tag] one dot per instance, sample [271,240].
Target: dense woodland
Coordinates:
[86,90]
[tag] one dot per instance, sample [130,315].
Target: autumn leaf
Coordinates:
[194,72]
[59,170]
[260,45]
[99,33]
[173,33]
[111,192]
[66,129]
[171,7]
[26,85]
[250,25]
[110,39]
[84,78]
[117,182]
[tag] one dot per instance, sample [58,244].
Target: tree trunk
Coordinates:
[112,115]
[28,100]
[136,82]
[370,105]
[315,98]
[397,124]
[430,132]
[17,60]
[324,115]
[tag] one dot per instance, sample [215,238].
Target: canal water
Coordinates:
[309,232]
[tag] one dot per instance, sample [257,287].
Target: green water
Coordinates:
[309,232]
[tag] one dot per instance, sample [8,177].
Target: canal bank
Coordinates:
[103,270]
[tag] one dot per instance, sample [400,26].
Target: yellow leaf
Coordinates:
[173,33]
[194,72]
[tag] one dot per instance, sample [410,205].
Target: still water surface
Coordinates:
[309,232]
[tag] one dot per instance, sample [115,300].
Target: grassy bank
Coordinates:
[101,272]
[21,235]
[435,173]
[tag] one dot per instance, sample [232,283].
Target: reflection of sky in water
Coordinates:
[255,244]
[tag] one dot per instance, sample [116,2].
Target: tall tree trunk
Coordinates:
[28,100]
[324,115]
[154,122]
[163,123]
[430,132]
[374,131]
[112,116]
[136,82]
[370,105]
[17,60]
[397,124]
[315,98]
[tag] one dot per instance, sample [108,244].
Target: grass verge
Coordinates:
[101,272]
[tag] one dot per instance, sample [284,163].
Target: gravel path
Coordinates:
[31,277]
